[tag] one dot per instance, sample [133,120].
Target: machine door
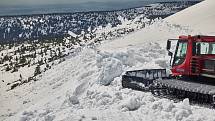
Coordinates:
[180,53]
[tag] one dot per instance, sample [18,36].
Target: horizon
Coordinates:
[31,7]
[89,5]
[54,2]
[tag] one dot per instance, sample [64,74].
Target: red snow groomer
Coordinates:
[192,73]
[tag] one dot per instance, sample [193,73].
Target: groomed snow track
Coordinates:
[160,84]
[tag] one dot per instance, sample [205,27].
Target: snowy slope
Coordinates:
[87,86]
[159,32]
[197,19]
[200,17]
[74,90]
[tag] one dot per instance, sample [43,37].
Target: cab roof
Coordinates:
[203,38]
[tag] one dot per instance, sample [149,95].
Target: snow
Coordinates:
[132,103]
[153,33]
[109,68]
[73,100]
[72,34]
[76,89]
[200,17]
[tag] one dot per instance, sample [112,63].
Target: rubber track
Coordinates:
[188,86]
[196,92]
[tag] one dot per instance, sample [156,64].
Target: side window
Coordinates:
[213,48]
[205,47]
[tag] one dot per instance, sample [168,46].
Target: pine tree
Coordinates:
[35,54]
[23,59]
[7,68]
[15,69]
[16,59]
[37,71]
[20,76]
[15,52]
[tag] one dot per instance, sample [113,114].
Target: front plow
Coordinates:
[142,79]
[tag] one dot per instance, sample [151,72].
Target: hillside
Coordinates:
[197,19]
[50,26]
[200,17]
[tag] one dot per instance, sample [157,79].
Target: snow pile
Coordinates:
[185,110]
[112,64]
[112,68]
[200,17]
[73,99]
[133,103]
[100,97]
[77,83]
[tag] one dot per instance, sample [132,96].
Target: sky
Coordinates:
[51,2]
[47,2]
[25,7]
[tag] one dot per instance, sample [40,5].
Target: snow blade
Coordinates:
[142,79]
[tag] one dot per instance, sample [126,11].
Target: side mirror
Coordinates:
[168,44]
[170,53]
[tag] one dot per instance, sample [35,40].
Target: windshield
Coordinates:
[203,48]
[181,50]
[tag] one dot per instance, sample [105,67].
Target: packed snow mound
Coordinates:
[79,82]
[131,104]
[112,68]
[200,17]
